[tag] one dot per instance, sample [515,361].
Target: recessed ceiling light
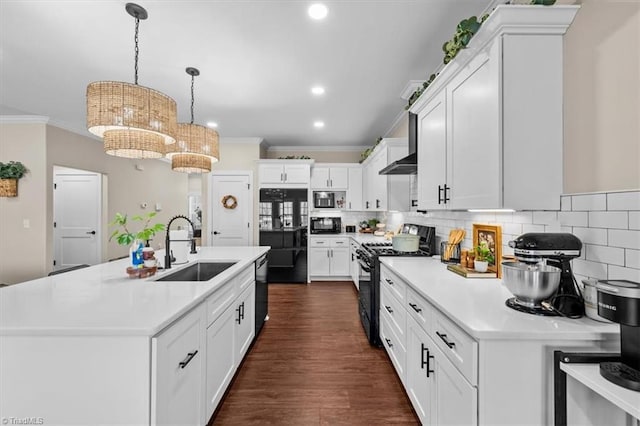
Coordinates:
[318,11]
[317,90]
[212,124]
[318,124]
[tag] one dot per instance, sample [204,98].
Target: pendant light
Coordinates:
[134,121]
[196,147]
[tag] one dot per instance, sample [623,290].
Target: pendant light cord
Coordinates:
[137,51]
[192,98]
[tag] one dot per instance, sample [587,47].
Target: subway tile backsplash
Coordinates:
[608,224]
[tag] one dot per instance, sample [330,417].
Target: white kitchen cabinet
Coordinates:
[245,322]
[438,392]
[496,109]
[329,177]
[221,360]
[354,265]
[329,257]
[177,366]
[386,192]
[441,387]
[283,173]
[354,191]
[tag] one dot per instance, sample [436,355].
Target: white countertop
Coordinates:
[477,305]
[356,236]
[103,300]
[589,375]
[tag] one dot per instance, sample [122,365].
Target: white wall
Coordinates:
[41,147]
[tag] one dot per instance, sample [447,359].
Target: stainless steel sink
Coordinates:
[201,271]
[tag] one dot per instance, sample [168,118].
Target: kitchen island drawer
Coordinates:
[458,346]
[392,282]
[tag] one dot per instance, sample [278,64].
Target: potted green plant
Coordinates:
[9,174]
[125,236]
[484,257]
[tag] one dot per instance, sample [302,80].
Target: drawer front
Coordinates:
[220,300]
[419,309]
[397,352]
[319,242]
[396,313]
[340,242]
[245,278]
[391,281]
[457,346]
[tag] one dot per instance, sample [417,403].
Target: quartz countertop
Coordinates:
[477,305]
[103,300]
[356,236]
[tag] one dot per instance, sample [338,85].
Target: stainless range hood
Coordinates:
[409,164]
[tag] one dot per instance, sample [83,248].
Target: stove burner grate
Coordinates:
[513,303]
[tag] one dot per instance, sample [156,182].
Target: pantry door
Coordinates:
[77,211]
[231,208]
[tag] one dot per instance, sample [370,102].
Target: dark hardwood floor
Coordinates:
[312,365]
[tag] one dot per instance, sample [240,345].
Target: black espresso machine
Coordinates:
[556,250]
[619,301]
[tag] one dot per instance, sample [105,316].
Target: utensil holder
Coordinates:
[449,253]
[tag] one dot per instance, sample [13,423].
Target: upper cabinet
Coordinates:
[284,173]
[385,192]
[323,177]
[490,125]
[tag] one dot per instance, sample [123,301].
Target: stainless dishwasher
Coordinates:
[262,293]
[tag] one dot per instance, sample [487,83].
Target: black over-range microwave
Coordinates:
[325,225]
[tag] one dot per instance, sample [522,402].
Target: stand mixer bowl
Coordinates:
[530,283]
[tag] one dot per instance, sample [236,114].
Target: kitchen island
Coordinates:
[466,358]
[93,346]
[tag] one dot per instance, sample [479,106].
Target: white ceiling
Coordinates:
[258,61]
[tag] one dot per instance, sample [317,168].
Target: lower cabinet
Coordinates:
[195,359]
[439,393]
[415,334]
[177,372]
[329,257]
[221,362]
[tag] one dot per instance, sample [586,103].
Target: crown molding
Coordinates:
[249,141]
[410,88]
[24,119]
[322,148]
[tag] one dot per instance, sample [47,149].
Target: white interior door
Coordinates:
[231,225]
[77,206]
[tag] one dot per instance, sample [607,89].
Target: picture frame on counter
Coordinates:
[492,235]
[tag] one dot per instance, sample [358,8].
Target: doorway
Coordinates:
[231,208]
[77,217]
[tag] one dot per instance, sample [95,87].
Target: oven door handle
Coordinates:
[365,267]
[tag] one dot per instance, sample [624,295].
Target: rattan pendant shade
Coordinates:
[134,121]
[197,147]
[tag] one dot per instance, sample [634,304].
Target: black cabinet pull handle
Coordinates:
[352,258]
[239,319]
[367,204]
[415,307]
[242,311]
[389,342]
[188,359]
[91,233]
[440,194]
[377,204]
[389,281]
[423,362]
[446,192]
[414,203]
[443,337]
[388,308]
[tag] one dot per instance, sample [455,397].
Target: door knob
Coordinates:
[91,233]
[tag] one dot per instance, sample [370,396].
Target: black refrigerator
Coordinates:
[283,219]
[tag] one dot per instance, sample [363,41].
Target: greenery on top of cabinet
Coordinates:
[465,30]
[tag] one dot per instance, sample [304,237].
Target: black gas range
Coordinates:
[369,275]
